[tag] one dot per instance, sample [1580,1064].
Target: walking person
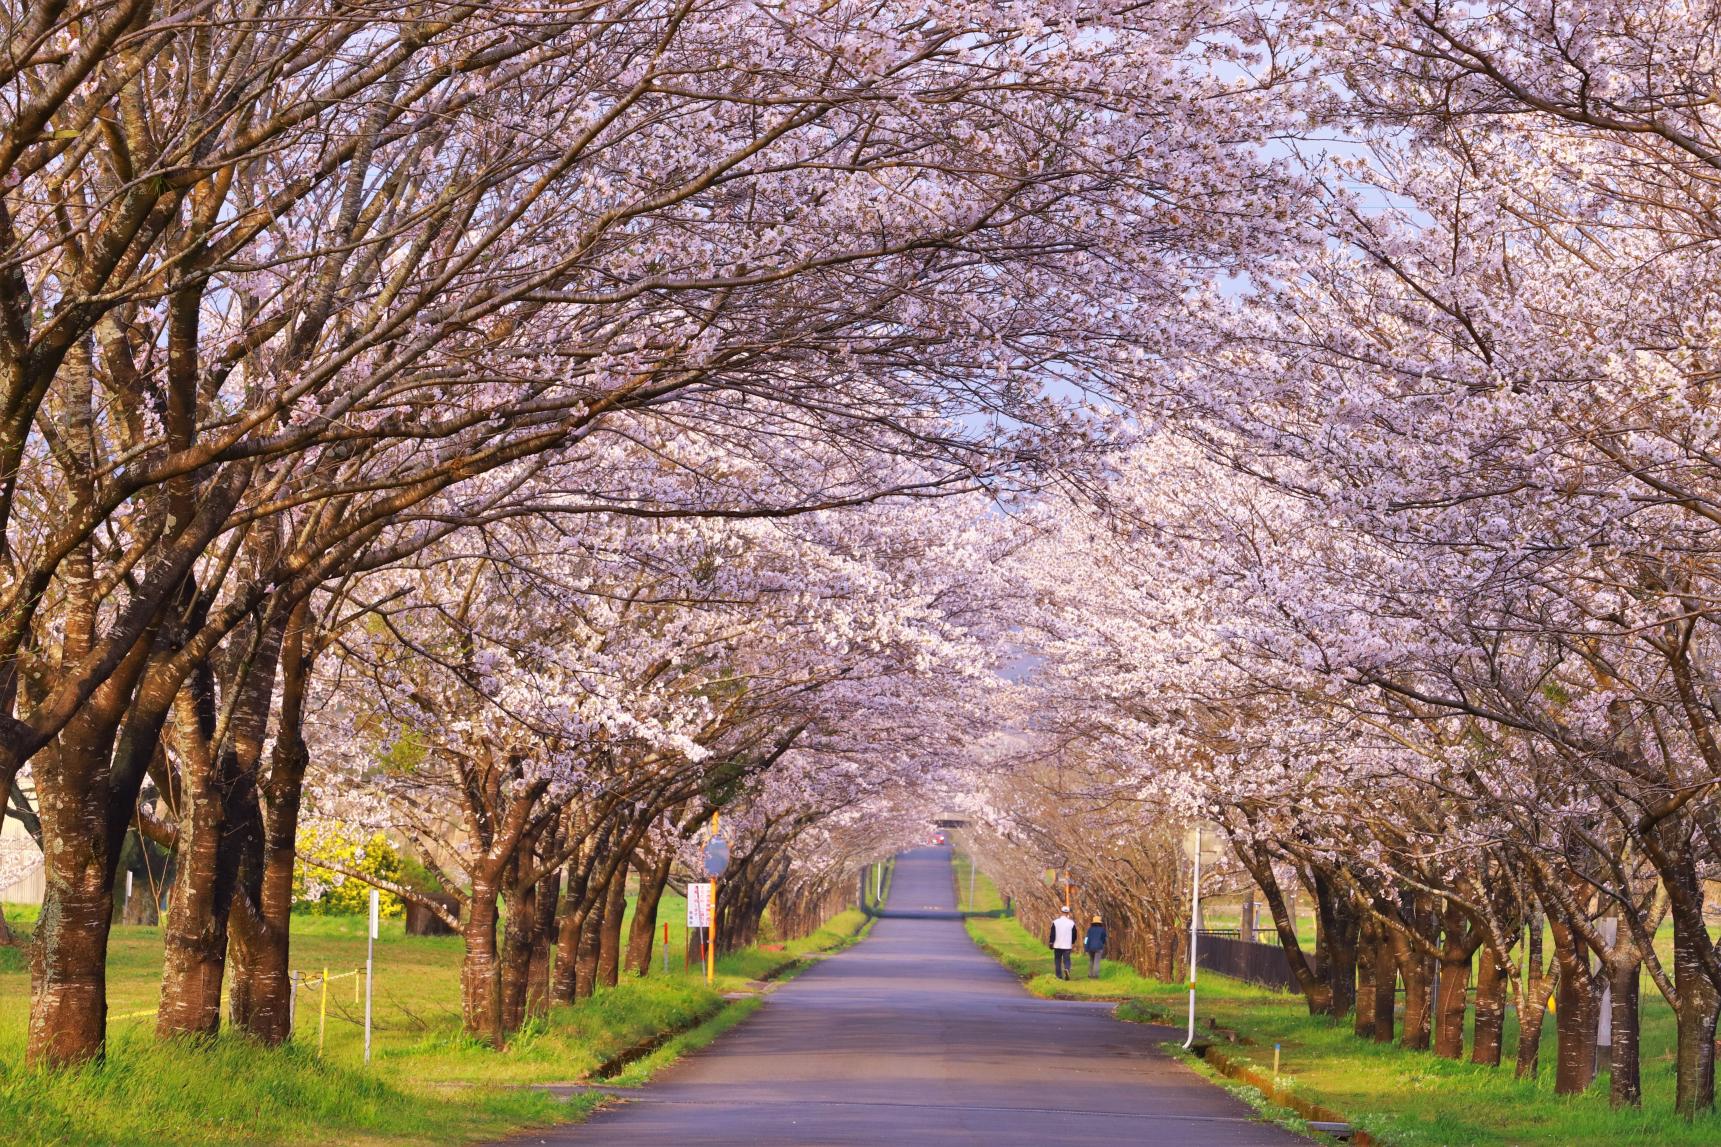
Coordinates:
[1094,944]
[1062,938]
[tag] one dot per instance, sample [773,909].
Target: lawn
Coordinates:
[426,1084]
[1403,1098]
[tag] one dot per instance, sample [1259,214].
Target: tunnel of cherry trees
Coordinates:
[532,432]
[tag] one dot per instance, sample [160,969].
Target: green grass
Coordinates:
[985,896]
[427,1084]
[1403,1098]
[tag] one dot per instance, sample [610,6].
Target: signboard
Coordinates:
[699,905]
[716,856]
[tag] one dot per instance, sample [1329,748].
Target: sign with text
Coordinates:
[699,897]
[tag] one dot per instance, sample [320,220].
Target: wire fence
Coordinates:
[302,981]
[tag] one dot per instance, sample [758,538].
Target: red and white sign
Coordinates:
[699,897]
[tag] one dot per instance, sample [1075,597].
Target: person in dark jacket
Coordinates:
[1095,945]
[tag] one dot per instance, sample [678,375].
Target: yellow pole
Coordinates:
[323,1014]
[711,932]
[711,939]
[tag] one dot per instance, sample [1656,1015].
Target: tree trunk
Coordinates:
[590,944]
[1625,1084]
[653,878]
[1385,986]
[545,904]
[480,967]
[68,957]
[1490,1028]
[1574,1018]
[580,901]
[1530,1022]
[261,998]
[1449,1022]
[1538,987]
[1260,866]
[609,937]
[88,786]
[1694,1057]
[1417,973]
[1364,1021]
[195,937]
[1338,915]
[517,939]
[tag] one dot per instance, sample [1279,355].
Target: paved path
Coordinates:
[916,1038]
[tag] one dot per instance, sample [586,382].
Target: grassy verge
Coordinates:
[427,1082]
[886,872]
[974,893]
[1402,1098]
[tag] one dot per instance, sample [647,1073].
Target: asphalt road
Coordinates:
[916,1037]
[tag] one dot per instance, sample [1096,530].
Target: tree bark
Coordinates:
[1338,916]
[480,967]
[88,785]
[1417,974]
[1695,1013]
[195,936]
[653,878]
[591,941]
[545,904]
[1574,1015]
[261,998]
[68,956]
[220,830]
[1490,1025]
[518,935]
[1539,987]
[578,901]
[1260,866]
[1453,997]
[1385,986]
[1625,1083]
[1366,943]
[609,936]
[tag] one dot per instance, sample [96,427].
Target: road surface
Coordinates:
[916,1038]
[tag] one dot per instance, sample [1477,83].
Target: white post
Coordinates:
[1194,915]
[127,903]
[1604,1025]
[370,965]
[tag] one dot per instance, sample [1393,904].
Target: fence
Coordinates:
[1230,955]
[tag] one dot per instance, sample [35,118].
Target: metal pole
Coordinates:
[711,939]
[1194,914]
[370,968]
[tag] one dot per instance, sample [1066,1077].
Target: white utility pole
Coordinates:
[1194,918]
[370,966]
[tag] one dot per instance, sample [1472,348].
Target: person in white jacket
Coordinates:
[1062,938]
